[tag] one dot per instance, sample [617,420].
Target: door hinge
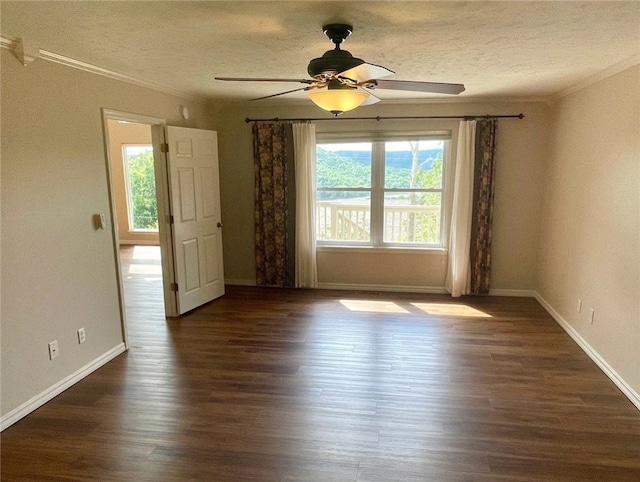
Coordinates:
[164,147]
[174,287]
[169,219]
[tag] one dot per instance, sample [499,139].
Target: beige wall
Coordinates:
[58,271]
[590,241]
[120,134]
[521,152]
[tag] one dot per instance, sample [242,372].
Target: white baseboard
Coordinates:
[393,288]
[396,288]
[514,293]
[624,387]
[240,282]
[36,402]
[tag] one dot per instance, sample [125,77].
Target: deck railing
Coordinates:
[340,221]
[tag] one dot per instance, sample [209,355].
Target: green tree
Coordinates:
[427,225]
[423,227]
[335,170]
[143,191]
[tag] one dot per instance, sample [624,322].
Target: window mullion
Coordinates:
[377,193]
[446,197]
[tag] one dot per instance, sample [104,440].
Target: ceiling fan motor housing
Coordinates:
[334,61]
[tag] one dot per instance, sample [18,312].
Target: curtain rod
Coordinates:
[379,118]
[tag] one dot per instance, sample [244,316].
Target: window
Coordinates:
[141,187]
[381,192]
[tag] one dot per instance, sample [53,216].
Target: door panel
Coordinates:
[183,148]
[195,203]
[206,147]
[208,193]
[191,265]
[211,258]
[187,195]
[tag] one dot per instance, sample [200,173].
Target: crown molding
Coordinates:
[77,64]
[7,43]
[594,79]
[12,44]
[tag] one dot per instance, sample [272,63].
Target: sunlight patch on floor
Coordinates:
[145,269]
[147,257]
[146,252]
[373,306]
[450,309]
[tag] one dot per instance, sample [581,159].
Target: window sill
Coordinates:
[382,250]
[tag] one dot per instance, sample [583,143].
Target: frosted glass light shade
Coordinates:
[338,101]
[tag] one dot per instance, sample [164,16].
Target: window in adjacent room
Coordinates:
[387,192]
[141,187]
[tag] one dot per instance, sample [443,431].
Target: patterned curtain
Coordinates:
[270,202]
[482,216]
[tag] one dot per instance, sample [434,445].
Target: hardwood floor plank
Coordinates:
[313,385]
[561,470]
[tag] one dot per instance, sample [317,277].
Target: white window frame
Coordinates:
[378,189]
[129,195]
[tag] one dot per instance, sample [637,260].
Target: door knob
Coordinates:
[220,224]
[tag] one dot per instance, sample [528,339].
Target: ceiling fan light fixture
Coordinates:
[338,100]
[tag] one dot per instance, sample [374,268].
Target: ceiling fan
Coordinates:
[341,82]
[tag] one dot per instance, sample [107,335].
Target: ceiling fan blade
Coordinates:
[365,71]
[434,87]
[283,93]
[262,79]
[372,99]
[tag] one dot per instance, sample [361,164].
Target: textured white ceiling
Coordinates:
[497,49]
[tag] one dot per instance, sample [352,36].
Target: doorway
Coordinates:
[134,208]
[185,165]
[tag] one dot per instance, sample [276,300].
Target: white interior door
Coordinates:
[195,220]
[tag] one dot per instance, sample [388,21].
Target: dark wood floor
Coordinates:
[284,385]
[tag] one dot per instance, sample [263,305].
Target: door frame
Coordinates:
[162,200]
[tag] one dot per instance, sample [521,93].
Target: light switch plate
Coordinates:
[53,350]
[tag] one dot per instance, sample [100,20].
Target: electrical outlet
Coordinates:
[53,350]
[591,313]
[579,306]
[82,336]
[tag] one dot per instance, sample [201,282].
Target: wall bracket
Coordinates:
[26,51]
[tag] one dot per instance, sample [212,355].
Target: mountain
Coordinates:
[399,159]
[352,169]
